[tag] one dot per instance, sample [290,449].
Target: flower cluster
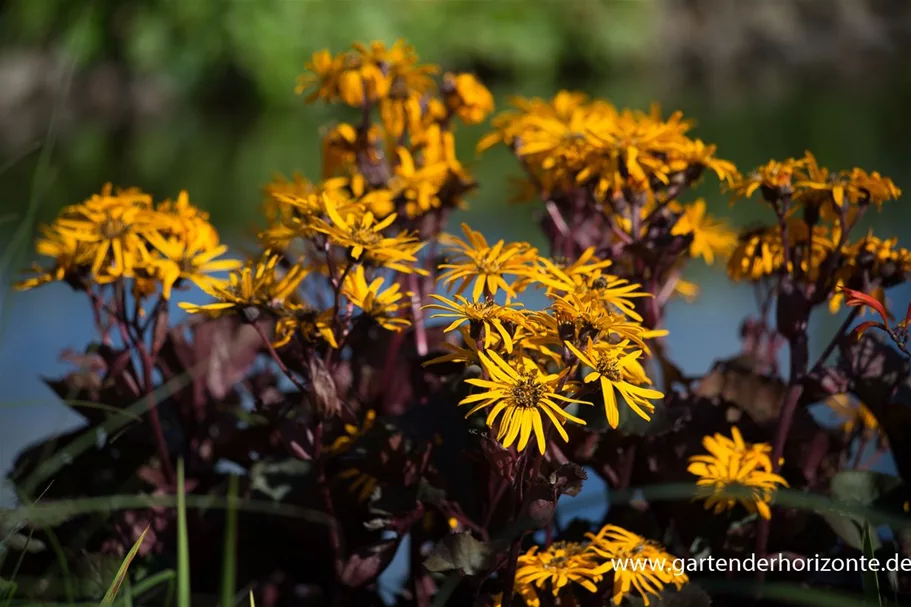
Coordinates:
[639,566]
[730,464]
[816,210]
[122,234]
[407,163]
[529,358]
[342,353]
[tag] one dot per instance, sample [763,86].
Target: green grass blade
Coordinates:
[252,602]
[229,562]
[152,582]
[183,541]
[12,579]
[56,512]
[111,594]
[871,578]
[128,594]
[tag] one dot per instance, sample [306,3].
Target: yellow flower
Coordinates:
[351,434]
[296,318]
[362,235]
[520,394]
[257,285]
[710,236]
[72,257]
[418,187]
[855,415]
[616,370]
[321,73]
[559,565]
[341,145]
[487,315]
[774,176]
[114,225]
[637,563]
[732,463]
[686,289]
[816,185]
[381,305]
[561,276]
[362,484]
[467,354]
[604,294]
[760,252]
[365,74]
[871,187]
[190,256]
[569,141]
[400,113]
[486,266]
[467,98]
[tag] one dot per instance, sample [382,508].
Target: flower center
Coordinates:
[609,368]
[112,228]
[527,393]
[562,553]
[364,236]
[480,310]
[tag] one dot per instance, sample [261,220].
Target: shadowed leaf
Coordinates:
[458,552]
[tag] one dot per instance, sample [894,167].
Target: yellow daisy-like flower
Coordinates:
[760,253]
[379,304]
[733,463]
[363,236]
[561,276]
[190,257]
[615,369]
[773,176]
[638,564]
[114,225]
[871,187]
[485,265]
[517,396]
[467,98]
[487,315]
[419,187]
[816,185]
[72,257]
[559,565]
[710,236]
[258,284]
[312,326]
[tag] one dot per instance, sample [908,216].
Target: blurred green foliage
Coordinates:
[266,42]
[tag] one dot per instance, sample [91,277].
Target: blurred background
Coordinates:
[198,95]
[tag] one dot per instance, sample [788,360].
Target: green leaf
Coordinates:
[93,573]
[858,488]
[458,552]
[111,594]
